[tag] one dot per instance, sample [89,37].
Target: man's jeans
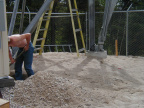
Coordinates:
[27,58]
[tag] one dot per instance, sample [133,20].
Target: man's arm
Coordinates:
[10,57]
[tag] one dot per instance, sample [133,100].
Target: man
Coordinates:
[24,43]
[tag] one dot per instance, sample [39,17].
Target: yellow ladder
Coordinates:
[76,30]
[47,19]
[73,26]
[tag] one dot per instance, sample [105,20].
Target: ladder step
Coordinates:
[58,16]
[74,10]
[80,50]
[37,49]
[45,19]
[48,9]
[77,30]
[40,39]
[42,29]
[45,16]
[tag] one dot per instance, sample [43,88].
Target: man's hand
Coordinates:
[26,48]
[13,61]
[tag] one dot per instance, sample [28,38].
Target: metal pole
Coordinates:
[15,49]
[2,18]
[127,35]
[12,23]
[0,39]
[91,4]
[29,14]
[2,21]
[22,16]
[127,30]
[86,31]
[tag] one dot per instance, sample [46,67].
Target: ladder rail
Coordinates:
[79,24]
[46,27]
[37,30]
[73,26]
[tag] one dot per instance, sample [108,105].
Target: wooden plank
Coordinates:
[4,103]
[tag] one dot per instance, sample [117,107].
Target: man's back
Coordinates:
[19,40]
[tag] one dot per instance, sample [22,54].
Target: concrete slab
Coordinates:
[6,82]
[102,55]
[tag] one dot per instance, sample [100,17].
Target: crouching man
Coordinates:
[23,42]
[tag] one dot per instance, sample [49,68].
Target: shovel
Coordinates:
[18,56]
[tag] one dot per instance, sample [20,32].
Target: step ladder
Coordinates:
[73,26]
[79,25]
[45,18]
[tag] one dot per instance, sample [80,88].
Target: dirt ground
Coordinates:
[63,80]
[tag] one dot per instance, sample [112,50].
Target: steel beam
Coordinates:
[109,8]
[31,27]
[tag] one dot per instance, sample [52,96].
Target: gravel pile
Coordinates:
[46,90]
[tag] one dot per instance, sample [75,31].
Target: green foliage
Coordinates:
[136,4]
